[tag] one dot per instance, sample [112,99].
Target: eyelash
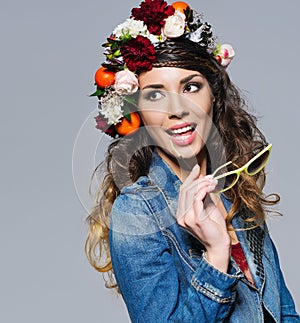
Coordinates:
[149,95]
[197,84]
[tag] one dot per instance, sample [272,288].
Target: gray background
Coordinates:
[49,53]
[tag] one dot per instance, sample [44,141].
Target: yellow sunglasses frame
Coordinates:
[241,169]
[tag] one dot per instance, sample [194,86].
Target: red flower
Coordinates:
[138,54]
[153,13]
[101,124]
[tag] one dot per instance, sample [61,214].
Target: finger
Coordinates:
[202,205]
[184,221]
[197,184]
[211,183]
[186,200]
[194,174]
[208,187]
[194,187]
[188,194]
[189,218]
[200,213]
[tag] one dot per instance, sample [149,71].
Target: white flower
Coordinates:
[174,25]
[131,27]
[126,82]
[196,35]
[110,106]
[155,39]
[225,54]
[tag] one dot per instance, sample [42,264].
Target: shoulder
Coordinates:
[136,194]
[142,183]
[135,209]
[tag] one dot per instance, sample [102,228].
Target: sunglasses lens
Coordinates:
[225,182]
[258,163]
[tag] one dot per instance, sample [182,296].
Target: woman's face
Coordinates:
[176,107]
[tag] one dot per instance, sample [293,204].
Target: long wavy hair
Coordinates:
[129,157]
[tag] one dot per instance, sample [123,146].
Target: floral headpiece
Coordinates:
[130,49]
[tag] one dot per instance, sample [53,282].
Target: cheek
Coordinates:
[153,123]
[203,110]
[202,104]
[151,117]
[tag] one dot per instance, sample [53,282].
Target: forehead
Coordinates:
[166,75]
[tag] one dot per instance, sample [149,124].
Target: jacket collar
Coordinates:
[163,176]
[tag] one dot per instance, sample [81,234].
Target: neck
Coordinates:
[183,166]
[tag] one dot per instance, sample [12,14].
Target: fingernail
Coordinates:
[209,176]
[196,166]
[213,181]
[211,188]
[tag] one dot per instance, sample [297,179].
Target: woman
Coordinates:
[180,215]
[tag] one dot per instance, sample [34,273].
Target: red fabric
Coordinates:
[238,255]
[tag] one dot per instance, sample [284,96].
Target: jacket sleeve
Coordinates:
[288,311]
[148,279]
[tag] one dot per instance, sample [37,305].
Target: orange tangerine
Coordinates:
[125,127]
[104,77]
[180,6]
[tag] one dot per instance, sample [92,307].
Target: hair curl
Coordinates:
[233,124]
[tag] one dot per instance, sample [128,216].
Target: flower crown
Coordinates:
[130,49]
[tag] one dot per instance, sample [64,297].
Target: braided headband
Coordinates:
[130,49]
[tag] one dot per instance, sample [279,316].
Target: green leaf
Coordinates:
[111,40]
[217,50]
[128,117]
[117,53]
[99,92]
[114,47]
[189,14]
[127,112]
[125,38]
[113,67]
[130,100]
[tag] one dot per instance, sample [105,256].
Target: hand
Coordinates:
[202,218]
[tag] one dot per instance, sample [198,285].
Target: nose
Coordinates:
[177,107]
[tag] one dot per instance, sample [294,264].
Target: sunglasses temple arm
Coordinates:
[222,166]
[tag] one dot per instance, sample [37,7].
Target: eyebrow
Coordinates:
[153,86]
[190,77]
[183,81]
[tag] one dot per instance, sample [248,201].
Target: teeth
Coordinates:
[182,138]
[182,130]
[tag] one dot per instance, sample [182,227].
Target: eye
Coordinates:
[153,95]
[192,87]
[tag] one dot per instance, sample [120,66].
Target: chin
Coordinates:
[187,152]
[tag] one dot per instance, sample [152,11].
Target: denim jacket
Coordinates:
[162,272]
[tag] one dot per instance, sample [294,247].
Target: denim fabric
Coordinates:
[162,272]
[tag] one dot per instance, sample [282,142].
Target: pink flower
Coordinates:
[126,82]
[225,54]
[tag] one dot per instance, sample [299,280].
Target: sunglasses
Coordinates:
[228,179]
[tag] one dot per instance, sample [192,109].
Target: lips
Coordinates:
[182,134]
